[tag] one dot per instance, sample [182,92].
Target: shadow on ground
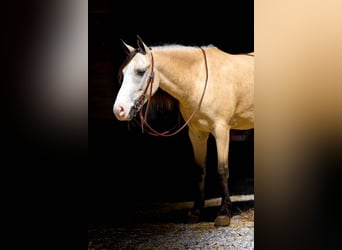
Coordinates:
[173,212]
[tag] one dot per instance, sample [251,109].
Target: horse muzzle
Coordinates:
[124,113]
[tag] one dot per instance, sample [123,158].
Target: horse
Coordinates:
[215,93]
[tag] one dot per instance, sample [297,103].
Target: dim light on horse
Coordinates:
[215,92]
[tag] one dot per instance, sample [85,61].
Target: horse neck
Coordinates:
[179,69]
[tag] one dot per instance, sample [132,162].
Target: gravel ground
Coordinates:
[161,233]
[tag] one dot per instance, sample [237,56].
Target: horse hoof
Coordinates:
[222,221]
[193,217]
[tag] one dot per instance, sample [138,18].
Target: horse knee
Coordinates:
[223,173]
[199,172]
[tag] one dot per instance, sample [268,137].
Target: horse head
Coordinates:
[139,81]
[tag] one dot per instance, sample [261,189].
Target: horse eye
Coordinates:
[140,72]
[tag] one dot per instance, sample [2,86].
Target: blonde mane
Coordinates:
[179,46]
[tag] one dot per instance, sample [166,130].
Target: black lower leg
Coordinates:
[199,177]
[199,187]
[226,204]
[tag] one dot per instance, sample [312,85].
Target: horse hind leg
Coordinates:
[199,141]
[222,145]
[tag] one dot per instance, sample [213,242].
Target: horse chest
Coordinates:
[202,123]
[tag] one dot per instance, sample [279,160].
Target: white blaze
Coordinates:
[131,88]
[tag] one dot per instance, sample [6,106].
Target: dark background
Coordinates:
[127,167]
[45,129]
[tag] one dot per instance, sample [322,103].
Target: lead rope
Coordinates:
[143,118]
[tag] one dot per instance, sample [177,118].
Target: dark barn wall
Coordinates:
[127,166]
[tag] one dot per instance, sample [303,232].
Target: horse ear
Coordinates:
[128,49]
[142,46]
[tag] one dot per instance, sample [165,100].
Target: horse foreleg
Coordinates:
[199,141]
[222,145]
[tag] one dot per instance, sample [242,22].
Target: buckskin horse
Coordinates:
[215,93]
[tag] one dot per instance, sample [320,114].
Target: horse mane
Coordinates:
[179,46]
[164,46]
[161,100]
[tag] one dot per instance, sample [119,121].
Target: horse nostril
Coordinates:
[121,111]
